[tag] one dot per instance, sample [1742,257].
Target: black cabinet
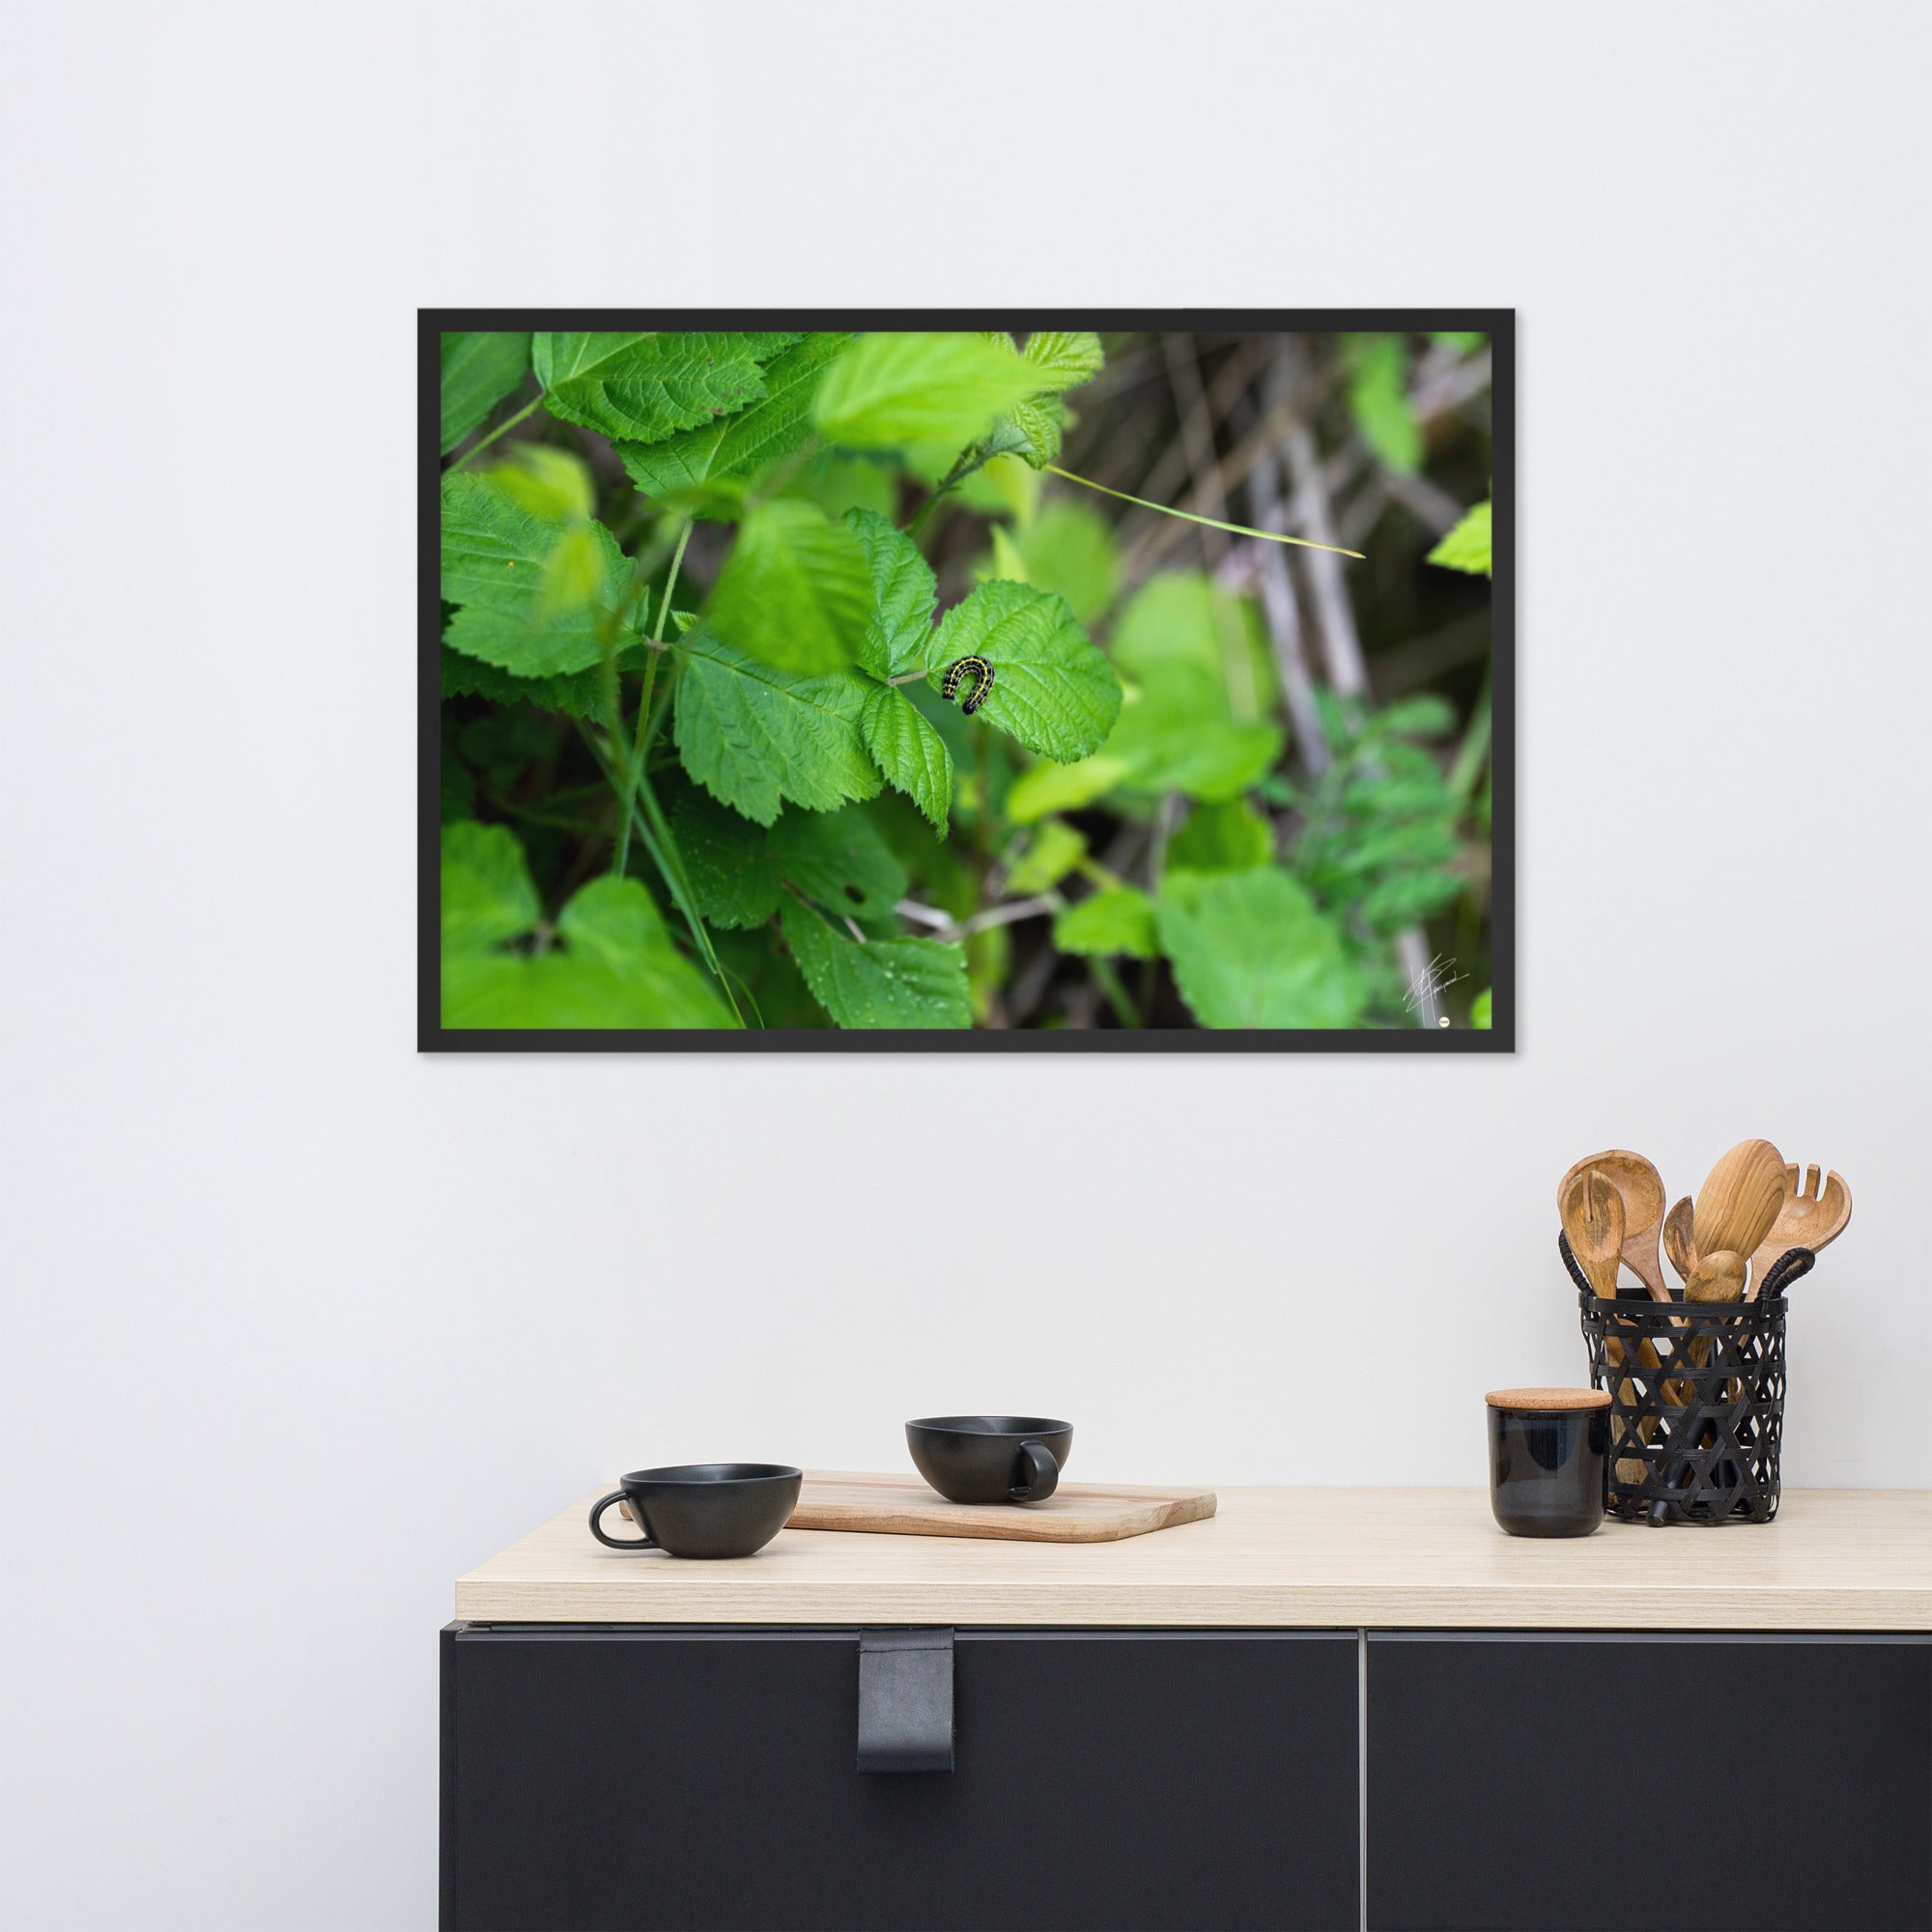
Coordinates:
[1577,1783]
[608,1777]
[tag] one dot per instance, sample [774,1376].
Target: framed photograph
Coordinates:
[1024,681]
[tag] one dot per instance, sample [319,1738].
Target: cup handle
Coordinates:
[597,1510]
[1041,1475]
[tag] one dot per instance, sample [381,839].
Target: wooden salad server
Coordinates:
[1641,1187]
[1810,1217]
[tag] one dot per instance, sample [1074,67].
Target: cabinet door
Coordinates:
[1577,1783]
[603,1778]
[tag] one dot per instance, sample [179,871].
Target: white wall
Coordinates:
[299,1325]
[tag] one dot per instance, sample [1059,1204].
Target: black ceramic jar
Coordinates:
[1549,1458]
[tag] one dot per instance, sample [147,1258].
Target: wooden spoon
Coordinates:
[1718,1276]
[1593,1218]
[1642,1190]
[1740,1199]
[1679,1239]
[1808,1218]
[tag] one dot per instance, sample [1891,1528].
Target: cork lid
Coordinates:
[1549,1400]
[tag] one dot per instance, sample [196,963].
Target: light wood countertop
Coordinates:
[1834,1559]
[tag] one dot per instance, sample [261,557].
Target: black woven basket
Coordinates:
[1696,1400]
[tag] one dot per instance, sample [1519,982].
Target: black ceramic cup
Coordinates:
[1549,1459]
[703,1508]
[990,1458]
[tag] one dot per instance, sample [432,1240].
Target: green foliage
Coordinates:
[487,893]
[1479,1012]
[1069,548]
[617,968]
[1379,844]
[1378,399]
[1055,850]
[923,388]
[881,983]
[754,736]
[795,592]
[480,367]
[1116,920]
[1467,545]
[728,861]
[1202,679]
[553,484]
[739,446]
[1060,359]
[905,597]
[840,859]
[496,556]
[910,753]
[575,693]
[1250,949]
[645,386]
[1229,836]
[1052,690]
[1046,788]
[768,815]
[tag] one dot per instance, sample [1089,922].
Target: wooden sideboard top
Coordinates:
[1833,1561]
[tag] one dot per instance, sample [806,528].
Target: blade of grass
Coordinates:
[655,831]
[1188,516]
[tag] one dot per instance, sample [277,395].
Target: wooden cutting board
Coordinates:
[1075,1513]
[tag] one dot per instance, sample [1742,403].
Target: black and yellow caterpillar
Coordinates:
[982,682]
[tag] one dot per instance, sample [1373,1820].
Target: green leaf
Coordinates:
[620,971]
[487,893]
[1119,920]
[904,595]
[549,483]
[753,737]
[1065,357]
[733,877]
[741,444]
[1464,341]
[1202,686]
[1057,847]
[1479,1011]
[909,751]
[928,386]
[579,693]
[1046,788]
[494,555]
[1467,545]
[1229,836]
[1250,949]
[614,923]
[795,592]
[480,367]
[1031,428]
[1051,690]
[573,575]
[839,859]
[1378,401]
[884,983]
[1069,548]
[643,386]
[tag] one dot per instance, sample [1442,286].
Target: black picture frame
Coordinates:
[432,1036]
